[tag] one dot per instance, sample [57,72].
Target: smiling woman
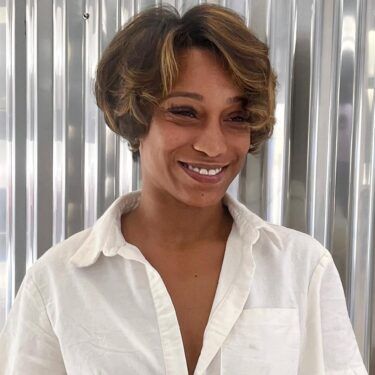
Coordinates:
[142,64]
[199,138]
[180,278]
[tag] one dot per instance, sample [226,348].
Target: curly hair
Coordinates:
[140,66]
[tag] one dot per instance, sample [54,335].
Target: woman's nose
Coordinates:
[211,140]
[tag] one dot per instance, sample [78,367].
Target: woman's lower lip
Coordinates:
[203,178]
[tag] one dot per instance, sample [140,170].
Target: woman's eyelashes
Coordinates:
[240,118]
[183,111]
[191,113]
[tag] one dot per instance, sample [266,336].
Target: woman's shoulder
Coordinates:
[290,238]
[58,256]
[285,246]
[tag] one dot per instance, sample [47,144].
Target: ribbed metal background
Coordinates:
[60,166]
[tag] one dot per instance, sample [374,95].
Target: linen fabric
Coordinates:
[93,304]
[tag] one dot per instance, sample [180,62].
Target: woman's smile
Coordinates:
[204,174]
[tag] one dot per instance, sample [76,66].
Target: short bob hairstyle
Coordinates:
[140,66]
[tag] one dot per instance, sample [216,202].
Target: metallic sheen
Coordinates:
[61,167]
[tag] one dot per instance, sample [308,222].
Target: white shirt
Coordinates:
[93,305]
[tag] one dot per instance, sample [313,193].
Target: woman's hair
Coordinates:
[140,66]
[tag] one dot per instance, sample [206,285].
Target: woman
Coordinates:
[180,278]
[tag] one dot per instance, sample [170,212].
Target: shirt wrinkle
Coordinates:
[321,263]
[41,298]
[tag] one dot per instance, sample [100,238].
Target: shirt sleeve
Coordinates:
[328,344]
[28,344]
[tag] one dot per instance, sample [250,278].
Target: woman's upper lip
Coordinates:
[204,165]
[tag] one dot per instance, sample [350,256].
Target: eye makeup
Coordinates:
[185,111]
[239,118]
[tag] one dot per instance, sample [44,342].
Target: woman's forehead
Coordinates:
[201,71]
[189,57]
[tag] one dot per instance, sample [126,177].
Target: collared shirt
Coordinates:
[94,305]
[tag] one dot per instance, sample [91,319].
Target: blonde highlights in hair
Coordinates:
[140,66]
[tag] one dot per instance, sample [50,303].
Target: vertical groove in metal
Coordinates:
[39,130]
[59,119]
[370,72]
[341,227]
[313,128]
[281,41]
[354,167]
[333,119]
[74,118]
[321,135]
[32,132]
[360,214]
[7,250]
[370,48]
[91,115]
[13,108]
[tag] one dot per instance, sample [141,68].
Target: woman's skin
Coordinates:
[181,225]
[175,209]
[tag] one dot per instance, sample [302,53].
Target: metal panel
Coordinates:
[13,161]
[7,159]
[362,184]
[281,30]
[39,145]
[59,120]
[109,147]
[75,94]
[367,212]
[316,174]
[91,111]
[321,132]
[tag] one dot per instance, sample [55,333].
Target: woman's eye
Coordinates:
[191,113]
[181,111]
[240,118]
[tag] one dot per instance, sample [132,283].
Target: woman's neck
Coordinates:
[173,224]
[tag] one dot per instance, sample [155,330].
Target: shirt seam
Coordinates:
[43,303]
[325,254]
[48,317]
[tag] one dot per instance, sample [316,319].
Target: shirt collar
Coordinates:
[106,238]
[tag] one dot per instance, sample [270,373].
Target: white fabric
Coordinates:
[93,305]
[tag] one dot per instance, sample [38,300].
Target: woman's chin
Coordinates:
[201,199]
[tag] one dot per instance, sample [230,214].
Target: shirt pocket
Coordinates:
[264,341]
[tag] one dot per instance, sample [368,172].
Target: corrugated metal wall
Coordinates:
[60,166]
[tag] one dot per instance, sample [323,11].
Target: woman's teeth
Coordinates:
[204,171]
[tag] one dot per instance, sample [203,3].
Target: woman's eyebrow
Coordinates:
[187,94]
[199,97]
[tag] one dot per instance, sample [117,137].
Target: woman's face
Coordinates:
[198,138]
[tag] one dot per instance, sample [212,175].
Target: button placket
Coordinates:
[170,334]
